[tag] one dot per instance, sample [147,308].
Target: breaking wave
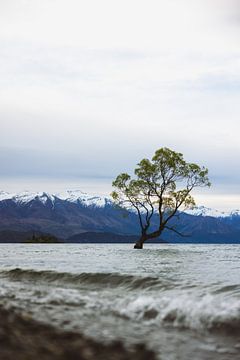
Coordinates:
[162,302]
[95,279]
[185,311]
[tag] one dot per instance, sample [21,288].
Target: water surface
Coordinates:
[182,300]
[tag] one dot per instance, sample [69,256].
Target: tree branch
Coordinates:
[177,232]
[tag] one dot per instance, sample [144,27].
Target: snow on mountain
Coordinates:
[85,198]
[5,195]
[95,200]
[75,196]
[26,196]
[235,213]
[205,211]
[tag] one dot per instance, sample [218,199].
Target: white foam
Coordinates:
[186,310]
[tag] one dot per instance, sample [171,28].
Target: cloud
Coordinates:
[127,24]
[89,88]
[228,10]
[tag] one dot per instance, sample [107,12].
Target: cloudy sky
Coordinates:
[88,88]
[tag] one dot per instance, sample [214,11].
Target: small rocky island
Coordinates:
[42,239]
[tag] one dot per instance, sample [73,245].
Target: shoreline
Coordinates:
[22,338]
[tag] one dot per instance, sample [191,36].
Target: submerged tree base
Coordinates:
[138,245]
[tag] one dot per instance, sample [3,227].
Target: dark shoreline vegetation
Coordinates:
[43,239]
[22,338]
[89,237]
[92,237]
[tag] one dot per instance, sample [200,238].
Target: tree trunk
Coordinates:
[140,242]
[144,237]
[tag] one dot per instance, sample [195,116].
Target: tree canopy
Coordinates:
[161,186]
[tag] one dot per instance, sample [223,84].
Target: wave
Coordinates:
[95,279]
[165,303]
[185,311]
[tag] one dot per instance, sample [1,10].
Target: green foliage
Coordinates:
[161,185]
[45,239]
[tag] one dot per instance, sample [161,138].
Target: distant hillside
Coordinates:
[64,217]
[8,236]
[94,237]
[104,237]
[78,217]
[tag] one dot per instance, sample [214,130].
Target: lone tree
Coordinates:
[161,186]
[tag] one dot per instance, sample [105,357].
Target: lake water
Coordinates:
[183,301]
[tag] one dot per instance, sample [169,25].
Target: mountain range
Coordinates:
[74,216]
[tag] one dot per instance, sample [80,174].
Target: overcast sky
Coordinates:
[88,88]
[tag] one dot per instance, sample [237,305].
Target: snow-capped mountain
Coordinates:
[62,214]
[74,196]
[73,212]
[205,211]
[96,200]
[84,198]
[25,197]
